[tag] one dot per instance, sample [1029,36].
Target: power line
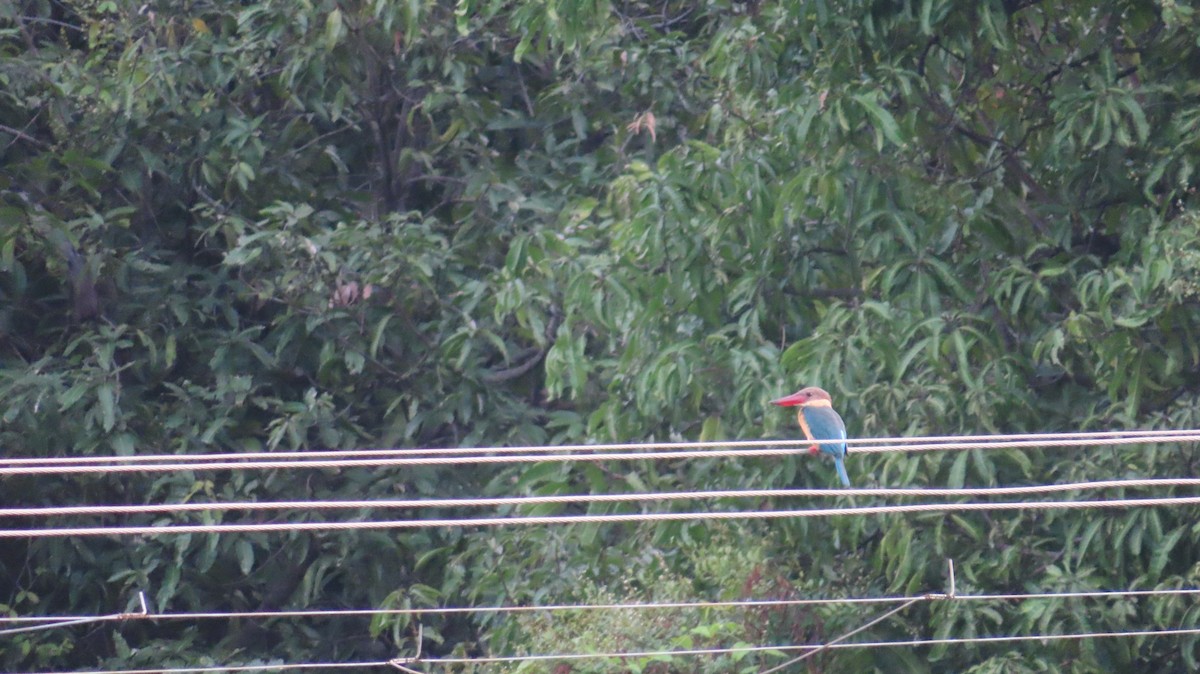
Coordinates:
[250,506]
[591,519]
[1130,436]
[433,662]
[1192,436]
[181,465]
[757,448]
[221,669]
[910,643]
[638,606]
[55,624]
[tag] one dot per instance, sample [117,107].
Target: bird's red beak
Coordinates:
[788,401]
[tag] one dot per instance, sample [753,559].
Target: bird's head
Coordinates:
[805,397]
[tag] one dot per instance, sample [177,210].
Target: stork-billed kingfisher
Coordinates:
[820,422]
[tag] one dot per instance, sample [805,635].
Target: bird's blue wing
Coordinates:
[826,424]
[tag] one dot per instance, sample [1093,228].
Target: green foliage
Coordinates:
[719,566]
[273,225]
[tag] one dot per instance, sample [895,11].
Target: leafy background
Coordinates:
[277,225]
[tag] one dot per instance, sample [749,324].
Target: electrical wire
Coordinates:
[57,624]
[298,463]
[433,662]
[720,450]
[1083,437]
[253,506]
[590,519]
[593,453]
[640,606]
[804,647]
[221,669]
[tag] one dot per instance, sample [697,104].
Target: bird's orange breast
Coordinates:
[804,424]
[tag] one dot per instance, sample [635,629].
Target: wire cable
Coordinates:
[640,606]
[57,624]
[221,669]
[253,506]
[590,519]
[294,463]
[910,643]
[1083,437]
[719,450]
[433,662]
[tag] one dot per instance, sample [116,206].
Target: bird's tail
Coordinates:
[841,469]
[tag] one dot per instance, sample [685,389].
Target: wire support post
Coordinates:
[142,612]
[402,664]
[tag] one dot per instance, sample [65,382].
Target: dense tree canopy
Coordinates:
[285,226]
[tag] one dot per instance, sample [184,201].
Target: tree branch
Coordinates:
[21,135]
[530,361]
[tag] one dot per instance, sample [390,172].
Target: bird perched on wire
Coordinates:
[820,423]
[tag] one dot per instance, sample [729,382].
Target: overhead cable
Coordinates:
[592,519]
[752,448]
[635,606]
[806,647]
[249,506]
[1083,437]
[435,661]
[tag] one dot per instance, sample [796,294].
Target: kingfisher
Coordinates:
[819,421]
